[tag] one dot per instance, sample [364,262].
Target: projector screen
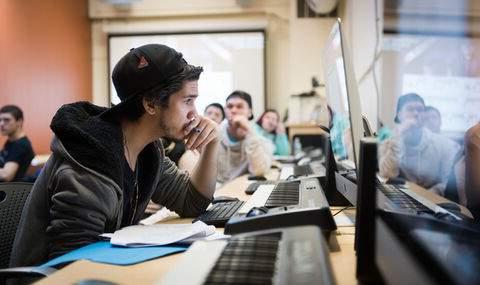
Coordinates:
[231,61]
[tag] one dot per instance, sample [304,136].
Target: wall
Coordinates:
[46,60]
[189,16]
[293,47]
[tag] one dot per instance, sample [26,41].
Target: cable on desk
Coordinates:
[341,210]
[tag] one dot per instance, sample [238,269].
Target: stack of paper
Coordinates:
[162,234]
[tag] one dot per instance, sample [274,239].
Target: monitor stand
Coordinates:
[328,181]
[346,187]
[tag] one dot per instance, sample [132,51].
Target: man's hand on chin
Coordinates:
[241,126]
[201,132]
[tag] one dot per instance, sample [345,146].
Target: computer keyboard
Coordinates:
[297,255]
[402,200]
[284,194]
[295,171]
[274,195]
[252,187]
[249,260]
[302,170]
[287,204]
[219,213]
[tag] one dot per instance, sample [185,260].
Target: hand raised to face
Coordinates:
[280,130]
[200,132]
[240,126]
[407,124]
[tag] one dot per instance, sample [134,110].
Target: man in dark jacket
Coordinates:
[108,163]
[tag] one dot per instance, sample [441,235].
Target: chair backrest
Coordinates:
[12,199]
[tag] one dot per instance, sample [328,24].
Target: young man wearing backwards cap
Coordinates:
[108,163]
[242,150]
[414,152]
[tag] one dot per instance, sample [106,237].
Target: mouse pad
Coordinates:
[104,252]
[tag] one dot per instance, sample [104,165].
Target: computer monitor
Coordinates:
[343,98]
[428,122]
[411,249]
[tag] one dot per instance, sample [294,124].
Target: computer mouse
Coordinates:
[449,206]
[253,177]
[223,199]
[257,211]
[396,180]
[445,216]
[304,161]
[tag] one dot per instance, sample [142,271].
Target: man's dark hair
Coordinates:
[218,106]
[160,95]
[15,111]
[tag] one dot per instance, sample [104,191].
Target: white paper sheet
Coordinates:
[163,214]
[161,234]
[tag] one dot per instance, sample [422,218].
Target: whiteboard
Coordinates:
[231,61]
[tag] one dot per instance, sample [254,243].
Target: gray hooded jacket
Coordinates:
[79,193]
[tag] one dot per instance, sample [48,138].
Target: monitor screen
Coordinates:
[343,99]
[457,254]
[428,122]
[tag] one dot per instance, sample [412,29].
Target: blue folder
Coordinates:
[104,252]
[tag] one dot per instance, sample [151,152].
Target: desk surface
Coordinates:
[343,260]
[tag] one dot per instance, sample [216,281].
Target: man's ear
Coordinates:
[20,123]
[149,106]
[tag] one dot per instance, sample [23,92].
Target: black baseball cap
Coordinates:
[144,68]
[404,99]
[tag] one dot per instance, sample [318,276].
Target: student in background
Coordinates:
[414,152]
[270,127]
[107,163]
[215,112]
[242,150]
[17,153]
[432,119]
[472,170]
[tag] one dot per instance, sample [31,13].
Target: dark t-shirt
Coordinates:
[130,194]
[174,149]
[19,151]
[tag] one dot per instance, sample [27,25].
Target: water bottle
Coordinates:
[297,146]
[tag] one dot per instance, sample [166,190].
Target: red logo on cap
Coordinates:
[143,63]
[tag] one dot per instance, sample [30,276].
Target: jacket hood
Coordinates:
[90,140]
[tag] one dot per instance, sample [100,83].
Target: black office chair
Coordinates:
[12,199]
